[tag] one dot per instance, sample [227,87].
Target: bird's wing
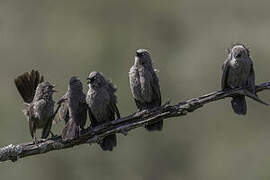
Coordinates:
[32,126]
[156,90]
[70,131]
[117,111]
[146,89]
[140,106]
[114,110]
[111,89]
[46,130]
[92,117]
[82,112]
[225,70]
[251,80]
[62,112]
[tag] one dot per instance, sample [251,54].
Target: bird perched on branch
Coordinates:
[101,100]
[38,101]
[72,109]
[238,72]
[144,85]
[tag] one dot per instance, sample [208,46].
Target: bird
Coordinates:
[144,85]
[238,72]
[72,109]
[101,100]
[38,100]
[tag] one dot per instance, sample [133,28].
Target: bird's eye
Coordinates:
[142,54]
[238,55]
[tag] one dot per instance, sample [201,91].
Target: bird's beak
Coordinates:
[53,86]
[138,54]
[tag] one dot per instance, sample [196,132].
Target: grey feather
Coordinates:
[73,109]
[70,131]
[39,104]
[101,100]
[62,112]
[238,71]
[144,85]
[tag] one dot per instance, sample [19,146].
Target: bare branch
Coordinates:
[123,125]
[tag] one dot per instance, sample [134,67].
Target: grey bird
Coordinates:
[38,101]
[144,85]
[238,72]
[101,100]
[72,109]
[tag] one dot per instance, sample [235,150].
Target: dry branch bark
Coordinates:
[123,125]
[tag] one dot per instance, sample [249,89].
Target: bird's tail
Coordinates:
[27,84]
[108,143]
[239,105]
[157,126]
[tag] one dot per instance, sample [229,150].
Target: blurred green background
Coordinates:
[187,40]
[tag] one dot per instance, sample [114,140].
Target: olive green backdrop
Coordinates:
[188,41]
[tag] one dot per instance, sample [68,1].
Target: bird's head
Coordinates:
[75,82]
[142,58]
[45,90]
[238,53]
[95,80]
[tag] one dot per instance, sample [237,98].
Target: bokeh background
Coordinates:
[188,41]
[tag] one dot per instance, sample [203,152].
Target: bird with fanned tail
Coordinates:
[38,101]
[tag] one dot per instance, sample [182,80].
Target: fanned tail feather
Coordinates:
[27,84]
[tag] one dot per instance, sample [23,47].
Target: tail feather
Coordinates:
[27,84]
[108,143]
[157,126]
[36,78]
[239,105]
